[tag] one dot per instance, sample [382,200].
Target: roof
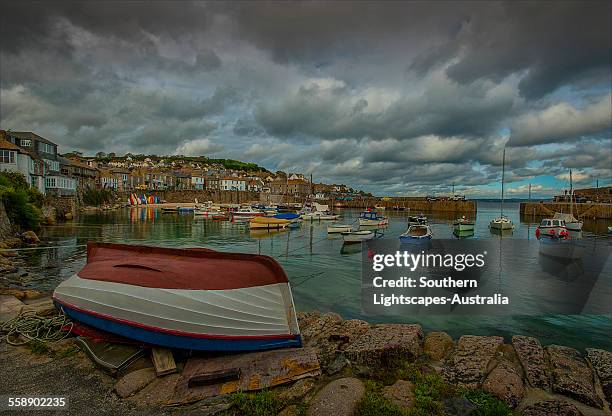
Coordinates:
[79,164]
[6,145]
[30,135]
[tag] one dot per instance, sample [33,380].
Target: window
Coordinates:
[26,143]
[7,156]
[53,165]
[46,148]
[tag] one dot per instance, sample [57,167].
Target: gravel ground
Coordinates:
[89,391]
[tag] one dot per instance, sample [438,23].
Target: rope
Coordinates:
[30,327]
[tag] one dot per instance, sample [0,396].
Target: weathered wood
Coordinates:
[214,377]
[163,360]
[258,370]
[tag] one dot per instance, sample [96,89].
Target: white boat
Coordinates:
[319,216]
[247,212]
[339,228]
[502,222]
[379,207]
[206,210]
[552,228]
[463,224]
[357,236]
[571,223]
[371,218]
[191,299]
[609,230]
[416,233]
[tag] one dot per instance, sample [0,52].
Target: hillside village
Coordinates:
[52,172]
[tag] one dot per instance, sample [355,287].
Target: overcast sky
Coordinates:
[393,98]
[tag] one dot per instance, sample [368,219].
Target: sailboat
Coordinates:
[502,222]
[571,223]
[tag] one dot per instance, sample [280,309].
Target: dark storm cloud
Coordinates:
[395,96]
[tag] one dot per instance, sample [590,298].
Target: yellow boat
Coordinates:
[268,223]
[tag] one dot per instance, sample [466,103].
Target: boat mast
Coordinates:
[503,177]
[571,195]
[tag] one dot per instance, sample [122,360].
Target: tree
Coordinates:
[100,155]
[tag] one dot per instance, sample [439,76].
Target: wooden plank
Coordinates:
[214,377]
[258,370]
[163,361]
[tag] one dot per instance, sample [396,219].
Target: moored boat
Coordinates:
[339,228]
[463,224]
[195,299]
[371,218]
[357,236]
[416,233]
[571,223]
[246,212]
[501,223]
[551,228]
[268,223]
[417,219]
[379,207]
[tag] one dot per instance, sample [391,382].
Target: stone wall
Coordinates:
[59,208]
[586,210]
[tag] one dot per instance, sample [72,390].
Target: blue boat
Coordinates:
[416,234]
[286,216]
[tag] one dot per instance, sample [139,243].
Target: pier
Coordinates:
[587,210]
[408,204]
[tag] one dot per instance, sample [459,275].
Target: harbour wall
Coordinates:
[581,210]
[189,196]
[412,204]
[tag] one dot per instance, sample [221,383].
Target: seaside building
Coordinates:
[232,184]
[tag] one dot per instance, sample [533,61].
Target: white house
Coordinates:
[232,184]
[197,181]
[14,158]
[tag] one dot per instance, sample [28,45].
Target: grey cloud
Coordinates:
[562,122]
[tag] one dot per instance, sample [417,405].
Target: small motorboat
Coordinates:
[371,218]
[169,209]
[339,228]
[185,209]
[268,223]
[417,219]
[501,223]
[416,233]
[463,224]
[193,299]
[247,212]
[609,230]
[552,228]
[351,237]
[287,216]
[379,207]
[318,212]
[206,210]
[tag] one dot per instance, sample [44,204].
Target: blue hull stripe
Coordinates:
[177,341]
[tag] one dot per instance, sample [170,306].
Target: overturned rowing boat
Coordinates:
[194,299]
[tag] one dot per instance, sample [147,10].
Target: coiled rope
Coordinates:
[28,326]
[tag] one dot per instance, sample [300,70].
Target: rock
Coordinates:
[338,398]
[10,307]
[57,347]
[337,365]
[134,382]
[401,393]
[437,345]
[22,294]
[328,334]
[298,391]
[571,375]
[469,363]
[160,391]
[506,384]
[382,344]
[551,407]
[362,371]
[42,307]
[292,410]
[30,237]
[533,359]
[12,242]
[68,216]
[458,406]
[601,360]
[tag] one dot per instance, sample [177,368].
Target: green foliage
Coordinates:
[487,405]
[97,197]
[20,201]
[374,404]
[262,403]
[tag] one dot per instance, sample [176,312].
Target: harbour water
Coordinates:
[324,274]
